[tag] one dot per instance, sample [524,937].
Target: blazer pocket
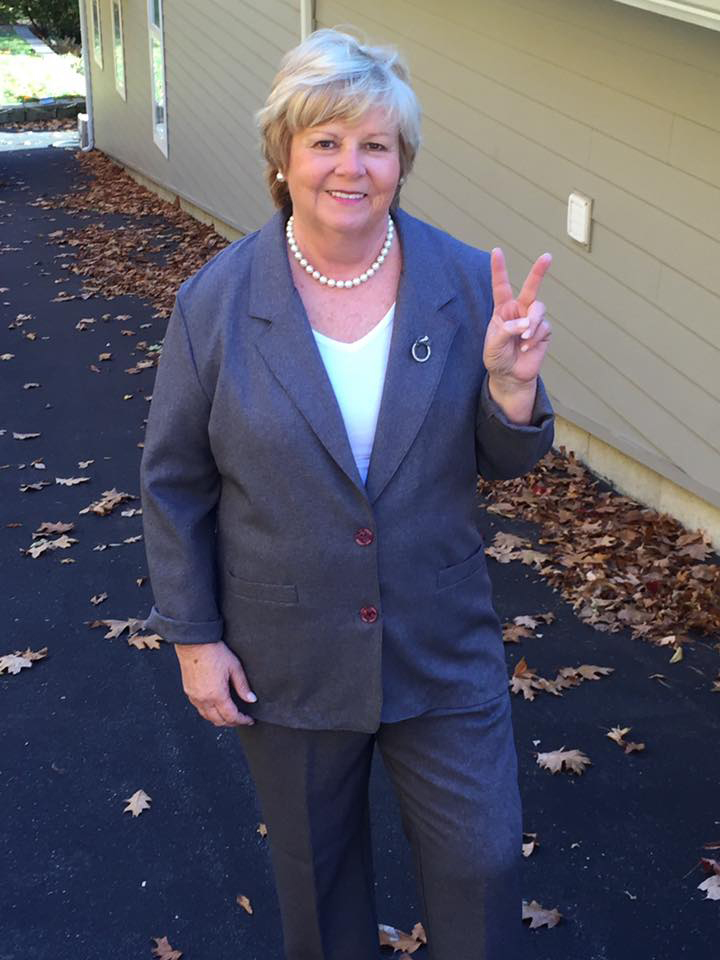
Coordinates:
[460,571]
[267,592]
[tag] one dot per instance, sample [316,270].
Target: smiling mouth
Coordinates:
[346,195]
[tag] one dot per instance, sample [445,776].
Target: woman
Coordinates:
[329,388]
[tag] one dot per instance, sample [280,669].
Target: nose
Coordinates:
[350,162]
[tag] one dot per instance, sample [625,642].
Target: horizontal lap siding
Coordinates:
[220,59]
[526,101]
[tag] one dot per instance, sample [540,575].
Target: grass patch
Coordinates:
[31,77]
[12,44]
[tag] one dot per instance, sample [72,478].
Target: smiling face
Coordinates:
[342,176]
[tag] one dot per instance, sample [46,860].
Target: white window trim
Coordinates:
[96,32]
[705,14]
[121,89]
[158,33]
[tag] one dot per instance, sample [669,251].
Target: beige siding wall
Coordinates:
[525,102]
[220,58]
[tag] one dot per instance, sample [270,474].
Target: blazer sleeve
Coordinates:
[180,487]
[504,449]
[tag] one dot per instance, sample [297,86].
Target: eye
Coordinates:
[324,144]
[376,147]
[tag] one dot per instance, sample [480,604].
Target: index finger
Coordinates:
[501,289]
[533,280]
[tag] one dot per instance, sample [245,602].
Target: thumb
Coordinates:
[239,681]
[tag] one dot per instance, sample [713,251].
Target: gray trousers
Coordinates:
[456,781]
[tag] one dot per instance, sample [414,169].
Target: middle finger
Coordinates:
[533,280]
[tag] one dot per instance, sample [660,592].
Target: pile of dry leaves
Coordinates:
[617,563]
[148,261]
[52,124]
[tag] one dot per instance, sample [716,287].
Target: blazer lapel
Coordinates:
[289,348]
[290,351]
[409,384]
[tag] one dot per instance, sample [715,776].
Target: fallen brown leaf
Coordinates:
[138,802]
[572,761]
[539,916]
[399,940]
[19,659]
[244,903]
[163,951]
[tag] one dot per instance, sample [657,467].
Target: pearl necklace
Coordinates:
[339,284]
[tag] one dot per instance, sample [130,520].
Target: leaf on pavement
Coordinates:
[505,546]
[262,829]
[117,627]
[39,547]
[399,940]
[138,802]
[25,487]
[526,681]
[539,916]
[529,846]
[711,886]
[618,735]
[52,528]
[150,642]
[163,951]
[110,499]
[19,659]
[244,903]
[534,620]
[515,632]
[72,481]
[572,761]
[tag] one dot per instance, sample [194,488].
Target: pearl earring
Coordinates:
[279,177]
[401,181]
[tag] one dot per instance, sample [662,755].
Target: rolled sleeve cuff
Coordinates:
[506,449]
[184,631]
[542,411]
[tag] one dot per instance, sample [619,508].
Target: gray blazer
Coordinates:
[347,603]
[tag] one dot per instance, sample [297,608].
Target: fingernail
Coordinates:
[526,335]
[524,347]
[251,698]
[523,322]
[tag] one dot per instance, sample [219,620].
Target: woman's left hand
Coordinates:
[518,333]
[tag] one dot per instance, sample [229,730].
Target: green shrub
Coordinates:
[50,19]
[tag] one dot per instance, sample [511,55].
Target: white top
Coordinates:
[357,374]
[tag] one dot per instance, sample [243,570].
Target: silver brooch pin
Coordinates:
[420,350]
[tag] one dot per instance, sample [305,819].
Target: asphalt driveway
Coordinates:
[96,719]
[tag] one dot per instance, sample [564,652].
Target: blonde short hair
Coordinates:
[332,76]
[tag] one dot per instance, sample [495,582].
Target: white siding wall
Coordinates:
[220,60]
[525,102]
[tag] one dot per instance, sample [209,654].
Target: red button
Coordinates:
[368,614]
[364,537]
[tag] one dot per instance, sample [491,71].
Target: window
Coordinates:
[118,52]
[96,34]
[157,74]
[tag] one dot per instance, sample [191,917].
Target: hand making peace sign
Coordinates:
[518,333]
